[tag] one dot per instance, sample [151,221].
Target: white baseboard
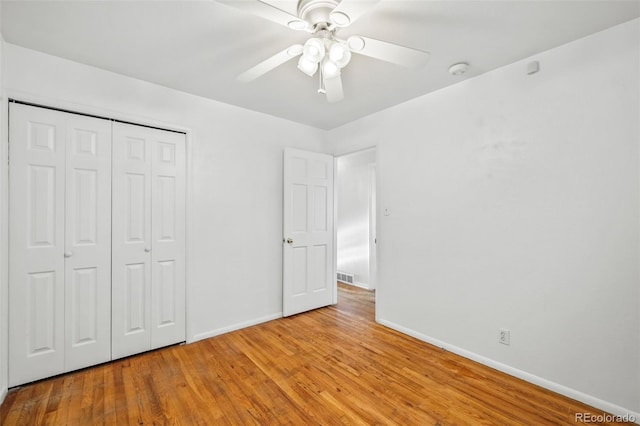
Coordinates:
[361,285]
[234,327]
[547,384]
[357,284]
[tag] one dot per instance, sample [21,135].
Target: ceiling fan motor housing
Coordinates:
[316,11]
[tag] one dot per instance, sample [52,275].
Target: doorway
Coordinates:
[355,188]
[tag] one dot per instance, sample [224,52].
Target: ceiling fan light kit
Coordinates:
[324,51]
[330,55]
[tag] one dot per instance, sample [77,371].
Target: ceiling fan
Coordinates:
[325,53]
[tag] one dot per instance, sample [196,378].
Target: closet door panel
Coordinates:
[88,242]
[168,239]
[36,241]
[131,240]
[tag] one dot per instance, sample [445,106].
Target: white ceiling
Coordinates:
[200,47]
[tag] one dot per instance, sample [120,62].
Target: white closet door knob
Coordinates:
[68,254]
[147,249]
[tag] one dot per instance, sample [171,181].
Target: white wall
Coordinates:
[3,223]
[235,199]
[353,192]
[514,202]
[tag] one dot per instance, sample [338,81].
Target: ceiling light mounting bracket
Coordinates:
[324,33]
[316,11]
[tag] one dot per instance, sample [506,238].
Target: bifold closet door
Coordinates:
[148,238]
[59,246]
[87,242]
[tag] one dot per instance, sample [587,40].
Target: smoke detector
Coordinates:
[458,69]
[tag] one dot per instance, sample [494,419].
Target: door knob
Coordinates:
[147,249]
[68,254]
[289,241]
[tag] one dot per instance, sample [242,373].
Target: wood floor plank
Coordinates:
[330,366]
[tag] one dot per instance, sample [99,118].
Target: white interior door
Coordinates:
[36,241]
[308,246]
[131,241]
[87,242]
[168,238]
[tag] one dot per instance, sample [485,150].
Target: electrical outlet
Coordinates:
[505,336]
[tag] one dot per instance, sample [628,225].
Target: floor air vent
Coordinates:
[345,278]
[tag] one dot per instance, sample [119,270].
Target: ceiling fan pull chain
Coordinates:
[321,88]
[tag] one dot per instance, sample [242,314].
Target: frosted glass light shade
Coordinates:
[340,54]
[330,69]
[314,50]
[306,66]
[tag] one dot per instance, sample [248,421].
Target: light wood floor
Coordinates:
[331,366]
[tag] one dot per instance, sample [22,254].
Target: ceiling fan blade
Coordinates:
[390,52]
[271,63]
[350,10]
[266,11]
[333,87]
